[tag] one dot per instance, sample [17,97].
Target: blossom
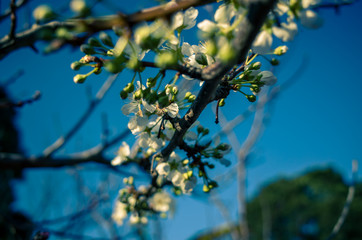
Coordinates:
[123,153]
[136,219]
[184,20]
[287,31]
[268,78]
[160,202]
[262,43]
[172,110]
[310,3]
[137,124]
[163,169]
[119,212]
[310,19]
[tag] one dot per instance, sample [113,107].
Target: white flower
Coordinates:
[161,202]
[263,42]
[189,184]
[129,108]
[78,5]
[286,32]
[172,110]
[136,219]
[310,19]
[184,20]
[176,178]
[163,169]
[119,212]
[268,78]
[137,124]
[149,107]
[310,3]
[123,153]
[281,8]
[208,26]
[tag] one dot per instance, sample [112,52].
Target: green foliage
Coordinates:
[306,207]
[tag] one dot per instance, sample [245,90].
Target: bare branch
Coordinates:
[347,204]
[92,105]
[7,12]
[93,25]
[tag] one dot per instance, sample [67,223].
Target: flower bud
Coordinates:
[187,95]
[206,188]
[222,102]
[43,13]
[280,50]
[124,94]
[138,94]
[255,66]
[268,78]
[79,78]
[129,88]
[274,62]
[251,98]
[114,66]
[76,65]
[191,98]
[80,7]
[94,42]
[106,39]
[87,49]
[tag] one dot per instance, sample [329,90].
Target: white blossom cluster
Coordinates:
[154,107]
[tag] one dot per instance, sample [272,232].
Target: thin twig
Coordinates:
[13,20]
[92,105]
[347,204]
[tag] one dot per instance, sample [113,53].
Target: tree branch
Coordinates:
[93,25]
[249,27]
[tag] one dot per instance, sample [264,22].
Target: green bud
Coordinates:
[222,102]
[255,66]
[133,63]
[251,98]
[94,42]
[280,50]
[106,39]
[79,78]
[206,188]
[151,82]
[187,95]
[192,98]
[274,62]
[255,89]
[63,33]
[130,180]
[174,90]
[129,88]
[124,94]
[87,49]
[201,58]
[213,184]
[200,129]
[43,13]
[165,59]
[76,65]
[114,66]
[138,94]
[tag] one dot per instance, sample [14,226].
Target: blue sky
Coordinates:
[315,123]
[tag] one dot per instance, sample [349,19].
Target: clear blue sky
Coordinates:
[316,122]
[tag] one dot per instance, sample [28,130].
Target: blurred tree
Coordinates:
[13,225]
[305,207]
